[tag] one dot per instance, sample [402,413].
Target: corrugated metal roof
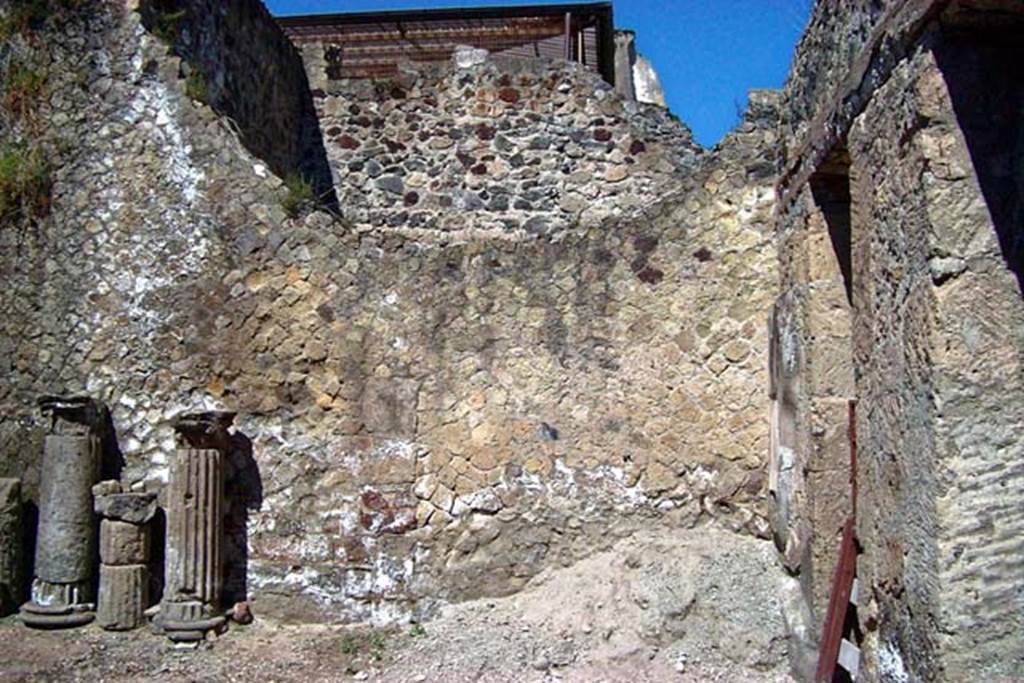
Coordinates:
[371,44]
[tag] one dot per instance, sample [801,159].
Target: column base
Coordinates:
[56,617]
[188,622]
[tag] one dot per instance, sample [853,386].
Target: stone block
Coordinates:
[122,543]
[136,508]
[389,406]
[123,597]
[10,545]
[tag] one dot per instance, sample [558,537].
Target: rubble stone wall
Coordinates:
[514,148]
[423,417]
[236,59]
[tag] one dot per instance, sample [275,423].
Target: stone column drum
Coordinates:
[195,522]
[62,590]
[10,545]
[124,554]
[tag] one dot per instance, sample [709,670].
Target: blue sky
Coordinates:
[709,53]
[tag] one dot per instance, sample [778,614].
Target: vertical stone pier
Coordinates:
[195,521]
[124,554]
[62,590]
[10,545]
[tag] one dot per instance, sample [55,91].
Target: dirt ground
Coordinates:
[699,605]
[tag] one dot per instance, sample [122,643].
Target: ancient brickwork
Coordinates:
[422,416]
[494,146]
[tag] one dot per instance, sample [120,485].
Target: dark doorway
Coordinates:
[982,61]
[830,186]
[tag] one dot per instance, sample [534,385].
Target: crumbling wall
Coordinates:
[813,384]
[945,547]
[237,60]
[424,416]
[935,338]
[494,145]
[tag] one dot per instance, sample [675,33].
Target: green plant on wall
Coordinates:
[167,25]
[299,197]
[25,181]
[23,88]
[196,87]
[23,16]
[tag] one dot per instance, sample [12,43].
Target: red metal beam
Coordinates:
[838,606]
[851,433]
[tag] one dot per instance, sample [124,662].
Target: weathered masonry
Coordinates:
[481,310]
[899,231]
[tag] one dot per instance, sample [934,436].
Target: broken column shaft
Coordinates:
[124,554]
[62,590]
[193,573]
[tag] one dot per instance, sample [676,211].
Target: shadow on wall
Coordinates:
[238,61]
[111,457]
[243,494]
[984,71]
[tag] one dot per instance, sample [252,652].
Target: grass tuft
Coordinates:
[300,197]
[196,87]
[167,26]
[25,181]
[23,88]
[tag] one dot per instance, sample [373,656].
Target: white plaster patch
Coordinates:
[890,665]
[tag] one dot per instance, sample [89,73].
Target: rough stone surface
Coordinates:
[123,597]
[425,416]
[133,508]
[499,147]
[537,325]
[11,540]
[122,543]
[930,334]
[270,104]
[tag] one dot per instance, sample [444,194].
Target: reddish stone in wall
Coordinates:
[387,513]
[510,95]
[485,132]
[602,135]
[347,142]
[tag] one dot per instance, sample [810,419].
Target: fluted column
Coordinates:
[62,590]
[195,524]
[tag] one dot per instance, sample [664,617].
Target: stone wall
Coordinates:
[928,342]
[236,60]
[425,415]
[499,146]
[443,392]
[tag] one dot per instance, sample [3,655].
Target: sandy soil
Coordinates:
[670,605]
